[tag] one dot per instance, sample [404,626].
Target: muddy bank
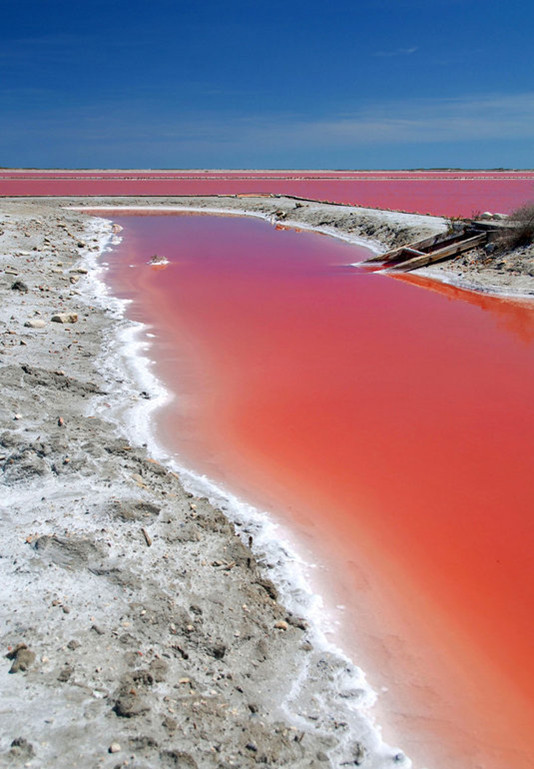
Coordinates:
[138,628]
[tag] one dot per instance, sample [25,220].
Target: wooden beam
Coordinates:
[441,254]
[412,251]
[418,246]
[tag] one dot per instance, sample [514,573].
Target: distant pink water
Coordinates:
[443,193]
[390,423]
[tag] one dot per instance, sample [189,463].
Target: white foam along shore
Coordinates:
[130,608]
[127,349]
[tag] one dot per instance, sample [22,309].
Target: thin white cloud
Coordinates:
[396,52]
[427,121]
[493,117]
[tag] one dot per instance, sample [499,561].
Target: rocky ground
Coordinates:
[137,628]
[498,271]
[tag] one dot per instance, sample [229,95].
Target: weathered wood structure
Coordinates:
[439,248]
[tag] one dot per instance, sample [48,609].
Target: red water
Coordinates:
[446,193]
[390,422]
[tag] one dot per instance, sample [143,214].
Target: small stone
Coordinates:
[98,630]
[65,317]
[65,674]
[129,705]
[22,749]
[170,724]
[19,285]
[22,658]
[218,650]
[297,622]
[74,644]
[114,747]
[17,417]
[358,751]
[159,669]
[281,625]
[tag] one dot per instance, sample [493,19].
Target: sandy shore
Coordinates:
[138,628]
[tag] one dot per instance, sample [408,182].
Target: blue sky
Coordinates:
[243,84]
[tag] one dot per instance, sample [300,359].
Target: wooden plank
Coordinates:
[442,253]
[460,246]
[412,251]
[418,246]
[401,254]
[396,253]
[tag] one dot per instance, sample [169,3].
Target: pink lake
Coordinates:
[447,193]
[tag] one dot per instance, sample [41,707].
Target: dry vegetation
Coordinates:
[522,231]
